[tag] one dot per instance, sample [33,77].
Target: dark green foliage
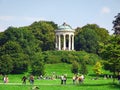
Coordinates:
[37,65]
[83,68]
[2,38]
[10,47]
[44,32]
[116,26]
[6,64]
[69,56]
[75,67]
[20,63]
[111,53]
[23,44]
[38,68]
[87,38]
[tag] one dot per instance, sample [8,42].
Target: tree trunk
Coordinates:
[113,77]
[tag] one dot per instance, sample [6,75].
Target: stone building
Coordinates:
[64,37]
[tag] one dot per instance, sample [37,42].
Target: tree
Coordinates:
[111,53]
[116,26]
[97,68]
[75,67]
[102,33]
[6,64]
[20,63]
[83,68]
[37,65]
[10,47]
[44,32]
[87,39]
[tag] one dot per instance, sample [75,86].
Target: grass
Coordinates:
[55,85]
[58,69]
[15,82]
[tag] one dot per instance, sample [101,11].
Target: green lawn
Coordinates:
[100,84]
[15,82]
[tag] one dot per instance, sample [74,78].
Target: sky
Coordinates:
[76,13]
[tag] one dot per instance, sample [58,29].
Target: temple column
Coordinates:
[59,48]
[56,44]
[64,47]
[73,42]
[69,42]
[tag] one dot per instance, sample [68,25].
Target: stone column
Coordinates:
[56,42]
[69,42]
[72,42]
[64,47]
[59,48]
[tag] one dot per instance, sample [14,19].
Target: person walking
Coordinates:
[31,79]
[5,79]
[62,79]
[24,78]
[74,78]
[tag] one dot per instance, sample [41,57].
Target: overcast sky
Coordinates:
[76,13]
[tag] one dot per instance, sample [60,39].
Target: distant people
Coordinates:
[79,79]
[82,78]
[74,79]
[119,78]
[31,79]
[5,79]
[62,79]
[24,78]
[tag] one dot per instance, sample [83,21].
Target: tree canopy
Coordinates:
[29,48]
[116,26]
[88,37]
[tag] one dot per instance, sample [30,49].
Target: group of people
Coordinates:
[78,79]
[63,79]
[31,79]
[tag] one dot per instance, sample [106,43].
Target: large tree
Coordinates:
[88,37]
[37,65]
[44,32]
[6,64]
[110,52]
[116,23]
[87,40]
[75,67]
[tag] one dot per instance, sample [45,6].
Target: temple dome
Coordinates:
[65,27]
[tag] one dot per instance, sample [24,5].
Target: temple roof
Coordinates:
[65,27]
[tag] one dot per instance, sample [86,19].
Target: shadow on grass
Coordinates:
[111,85]
[115,86]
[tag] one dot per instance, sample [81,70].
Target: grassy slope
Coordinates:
[59,69]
